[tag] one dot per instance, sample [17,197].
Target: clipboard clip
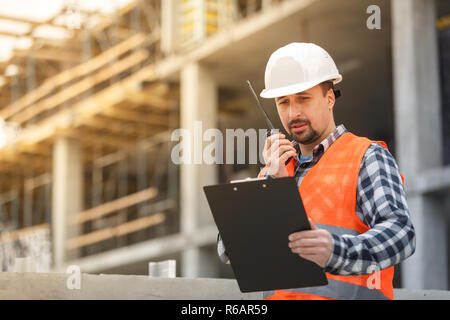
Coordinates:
[247,180]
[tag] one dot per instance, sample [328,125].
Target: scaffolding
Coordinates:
[98,87]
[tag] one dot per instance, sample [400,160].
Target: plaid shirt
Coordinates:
[380,204]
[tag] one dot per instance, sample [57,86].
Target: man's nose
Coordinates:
[295,110]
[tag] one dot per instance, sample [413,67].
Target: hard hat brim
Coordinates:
[285,91]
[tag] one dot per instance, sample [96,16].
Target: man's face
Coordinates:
[306,115]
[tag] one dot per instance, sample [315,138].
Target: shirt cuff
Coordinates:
[336,259]
[221,251]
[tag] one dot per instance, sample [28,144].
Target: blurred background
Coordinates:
[91,91]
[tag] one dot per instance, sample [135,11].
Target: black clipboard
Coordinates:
[254,219]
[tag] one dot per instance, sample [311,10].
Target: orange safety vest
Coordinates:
[328,193]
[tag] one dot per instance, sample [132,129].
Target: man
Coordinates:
[350,186]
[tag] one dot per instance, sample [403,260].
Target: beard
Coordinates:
[307,136]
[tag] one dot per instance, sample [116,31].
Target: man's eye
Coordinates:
[283,102]
[305,98]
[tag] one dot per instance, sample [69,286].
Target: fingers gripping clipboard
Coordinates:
[254,219]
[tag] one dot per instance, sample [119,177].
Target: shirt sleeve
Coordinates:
[221,251]
[381,205]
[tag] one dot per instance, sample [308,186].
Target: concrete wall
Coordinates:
[110,287]
[114,287]
[406,294]
[417,104]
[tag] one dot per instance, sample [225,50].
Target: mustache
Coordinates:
[298,121]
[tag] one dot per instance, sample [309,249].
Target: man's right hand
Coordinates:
[277,150]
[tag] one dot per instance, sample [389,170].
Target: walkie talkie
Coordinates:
[271,131]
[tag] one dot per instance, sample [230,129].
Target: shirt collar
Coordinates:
[323,146]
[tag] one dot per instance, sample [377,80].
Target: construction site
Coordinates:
[92,91]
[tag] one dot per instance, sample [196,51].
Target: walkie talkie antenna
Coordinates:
[269,123]
[272,130]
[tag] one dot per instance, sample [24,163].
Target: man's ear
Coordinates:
[331,99]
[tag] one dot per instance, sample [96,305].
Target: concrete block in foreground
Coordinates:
[118,287]
[54,286]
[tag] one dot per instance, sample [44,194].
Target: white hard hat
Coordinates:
[298,67]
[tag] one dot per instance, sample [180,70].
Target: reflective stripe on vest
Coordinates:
[339,231]
[338,290]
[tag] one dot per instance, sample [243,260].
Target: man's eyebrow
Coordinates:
[297,94]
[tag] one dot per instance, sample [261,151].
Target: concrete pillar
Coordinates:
[67,195]
[418,134]
[198,103]
[168,26]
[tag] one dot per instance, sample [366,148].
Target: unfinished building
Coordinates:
[89,109]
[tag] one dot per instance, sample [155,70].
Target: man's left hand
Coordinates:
[315,245]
